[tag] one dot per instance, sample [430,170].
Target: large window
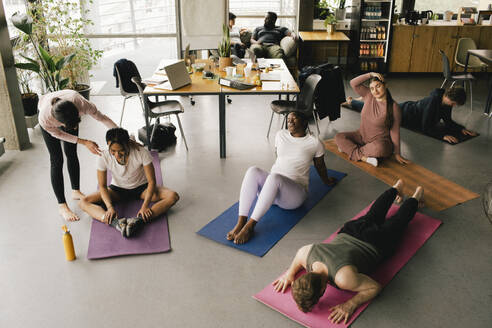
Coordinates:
[251,13]
[439,6]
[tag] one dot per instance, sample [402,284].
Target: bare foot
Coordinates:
[77,194]
[399,188]
[419,195]
[67,213]
[246,232]
[241,221]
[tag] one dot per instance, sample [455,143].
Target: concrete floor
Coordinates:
[200,283]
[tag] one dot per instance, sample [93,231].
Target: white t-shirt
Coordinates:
[295,156]
[131,175]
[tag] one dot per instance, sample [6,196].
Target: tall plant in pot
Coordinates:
[65,23]
[25,77]
[46,65]
[328,13]
[225,49]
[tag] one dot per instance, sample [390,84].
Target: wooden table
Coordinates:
[486,56]
[323,36]
[201,86]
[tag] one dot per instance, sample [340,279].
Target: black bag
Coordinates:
[163,136]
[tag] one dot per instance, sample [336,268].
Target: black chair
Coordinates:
[157,110]
[446,71]
[127,94]
[304,102]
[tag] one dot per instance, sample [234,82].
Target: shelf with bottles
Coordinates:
[373,33]
[375,11]
[373,50]
[370,66]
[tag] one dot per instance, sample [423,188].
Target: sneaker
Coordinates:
[120,225]
[133,225]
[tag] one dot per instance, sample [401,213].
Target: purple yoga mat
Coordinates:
[106,241]
[418,231]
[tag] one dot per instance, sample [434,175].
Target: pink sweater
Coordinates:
[51,125]
[373,115]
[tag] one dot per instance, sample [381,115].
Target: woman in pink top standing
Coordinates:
[59,117]
[379,132]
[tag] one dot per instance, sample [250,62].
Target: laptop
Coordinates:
[177,75]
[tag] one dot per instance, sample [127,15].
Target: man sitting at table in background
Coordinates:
[265,41]
[238,48]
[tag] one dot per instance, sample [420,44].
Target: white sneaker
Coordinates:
[373,161]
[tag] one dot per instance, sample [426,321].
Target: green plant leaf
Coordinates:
[29,66]
[63,84]
[23,22]
[30,59]
[47,59]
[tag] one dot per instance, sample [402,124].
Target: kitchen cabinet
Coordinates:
[401,48]
[421,48]
[445,38]
[416,48]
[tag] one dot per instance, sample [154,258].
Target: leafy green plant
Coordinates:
[225,43]
[330,19]
[47,66]
[328,10]
[64,24]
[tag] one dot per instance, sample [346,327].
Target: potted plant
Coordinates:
[29,98]
[330,23]
[224,49]
[24,77]
[328,12]
[65,22]
[47,66]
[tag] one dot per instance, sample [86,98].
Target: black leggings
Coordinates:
[56,158]
[373,228]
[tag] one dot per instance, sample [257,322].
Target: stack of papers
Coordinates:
[272,76]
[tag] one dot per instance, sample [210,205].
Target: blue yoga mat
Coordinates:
[276,222]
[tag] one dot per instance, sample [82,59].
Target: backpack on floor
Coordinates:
[163,136]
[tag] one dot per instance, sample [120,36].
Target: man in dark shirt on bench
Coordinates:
[265,41]
[354,253]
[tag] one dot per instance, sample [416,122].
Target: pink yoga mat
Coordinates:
[106,241]
[418,231]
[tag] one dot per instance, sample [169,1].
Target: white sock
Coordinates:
[372,160]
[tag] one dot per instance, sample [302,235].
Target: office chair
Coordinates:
[465,44]
[157,110]
[446,71]
[304,102]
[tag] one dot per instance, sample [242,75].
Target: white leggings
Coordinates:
[271,188]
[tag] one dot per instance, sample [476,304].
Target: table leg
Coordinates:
[222,125]
[338,53]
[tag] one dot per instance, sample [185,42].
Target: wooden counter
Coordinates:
[416,48]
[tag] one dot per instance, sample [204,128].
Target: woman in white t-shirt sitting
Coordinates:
[133,177]
[287,183]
